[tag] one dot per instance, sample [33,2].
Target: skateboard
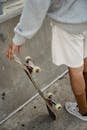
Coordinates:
[29,67]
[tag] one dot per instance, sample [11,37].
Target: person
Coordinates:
[69,41]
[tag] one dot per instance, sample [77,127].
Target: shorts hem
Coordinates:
[68,65]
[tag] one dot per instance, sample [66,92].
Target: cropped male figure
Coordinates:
[69,41]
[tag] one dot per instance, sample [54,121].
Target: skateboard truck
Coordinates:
[29,67]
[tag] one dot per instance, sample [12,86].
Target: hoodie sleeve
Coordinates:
[31,20]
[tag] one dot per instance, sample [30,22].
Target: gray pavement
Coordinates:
[35,116]
[16,89]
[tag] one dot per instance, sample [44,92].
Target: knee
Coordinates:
[76,72]
[85,64]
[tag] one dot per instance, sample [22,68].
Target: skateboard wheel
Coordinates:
[28,58]
[58,106]
[36,69]
[50,95]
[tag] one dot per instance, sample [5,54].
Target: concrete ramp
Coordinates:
[15,88]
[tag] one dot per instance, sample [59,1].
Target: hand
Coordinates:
[11,50]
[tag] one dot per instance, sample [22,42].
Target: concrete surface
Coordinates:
[15,88]
[35,116]
[11,8]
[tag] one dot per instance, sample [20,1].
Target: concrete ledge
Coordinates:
[11,10]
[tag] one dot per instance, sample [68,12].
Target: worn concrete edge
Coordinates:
[13,14]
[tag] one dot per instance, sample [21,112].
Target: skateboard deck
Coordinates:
[29,67]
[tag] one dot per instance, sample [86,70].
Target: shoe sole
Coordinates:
[83,118]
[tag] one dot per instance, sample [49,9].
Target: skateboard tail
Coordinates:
[49,103]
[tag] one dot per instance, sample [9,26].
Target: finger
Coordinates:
[13,48]
[9,53]
[19,49]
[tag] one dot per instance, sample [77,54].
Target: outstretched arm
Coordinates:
[30,21]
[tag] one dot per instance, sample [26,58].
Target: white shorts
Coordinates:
[69,49]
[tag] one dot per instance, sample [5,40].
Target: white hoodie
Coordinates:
[68,12]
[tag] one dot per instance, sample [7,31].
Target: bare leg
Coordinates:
[85,74]
[78,87]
